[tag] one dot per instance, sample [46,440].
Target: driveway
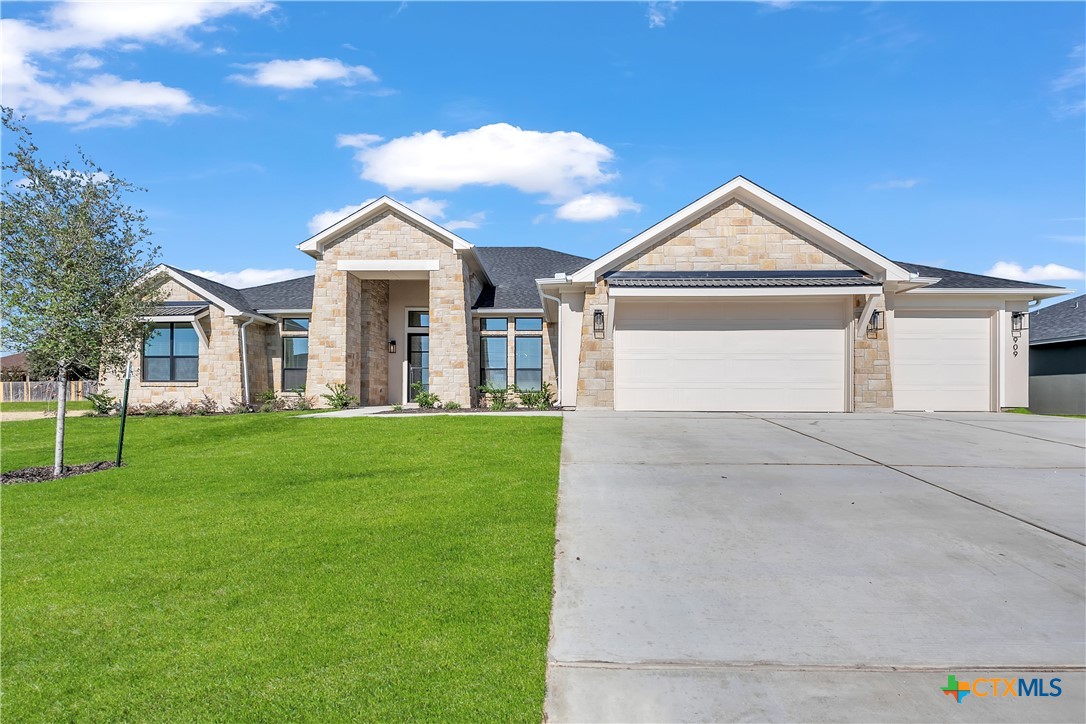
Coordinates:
[804,567]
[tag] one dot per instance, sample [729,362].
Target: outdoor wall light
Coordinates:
[392,346]
[876,323]
[597,323]
[1018,321]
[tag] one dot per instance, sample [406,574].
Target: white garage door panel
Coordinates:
[942,361]
[767,356]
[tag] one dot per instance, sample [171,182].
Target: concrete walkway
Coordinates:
[792,567]
[367,411]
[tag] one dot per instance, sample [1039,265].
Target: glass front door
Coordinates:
[418,363]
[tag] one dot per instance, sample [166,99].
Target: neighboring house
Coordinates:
[740,301]
[13,367]
[1057,358]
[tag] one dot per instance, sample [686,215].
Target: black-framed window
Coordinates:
[171,353]
[418,319]
[295,361]
[493,361]
[296,324]
[494,324]
[529,324]
[529,362]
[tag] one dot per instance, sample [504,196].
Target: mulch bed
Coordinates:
[44,473]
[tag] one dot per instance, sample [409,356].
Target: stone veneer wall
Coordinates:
[596,378]
[374,331]
[335,333]
[733,237]
[220,362]
[872,381]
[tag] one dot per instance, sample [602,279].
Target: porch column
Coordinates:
[374,328]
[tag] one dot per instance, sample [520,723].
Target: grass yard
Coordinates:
[264,567]
[41,406]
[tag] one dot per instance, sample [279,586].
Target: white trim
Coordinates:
[1078,338]
[1042,293]
[307,312]
[865,316]
[314,245]
[387,265]
[753,194]
[162,318]
[201,333]
[740,291]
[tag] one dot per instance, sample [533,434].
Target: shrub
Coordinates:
[497,398]
[271,402]
[237,407]
[339,396]
[206,406]
[166,407]
[136,410]
[189,409]
[452,405]
[301,402]
[425,399]
[103,403]
[397,408]
[541,399]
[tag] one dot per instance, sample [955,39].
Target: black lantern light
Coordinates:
[1018,322]
[392,346]
[876,323]
[597,323]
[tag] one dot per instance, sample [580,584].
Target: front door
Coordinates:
[418,351]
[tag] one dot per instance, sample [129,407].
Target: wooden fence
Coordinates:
[25,391]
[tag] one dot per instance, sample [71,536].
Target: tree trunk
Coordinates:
[62,408]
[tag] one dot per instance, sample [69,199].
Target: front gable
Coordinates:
[733,237]
[741,227]
[388,235]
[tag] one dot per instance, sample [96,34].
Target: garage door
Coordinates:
[942,361]
[756,356]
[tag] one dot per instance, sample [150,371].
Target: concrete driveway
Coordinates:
[803,567]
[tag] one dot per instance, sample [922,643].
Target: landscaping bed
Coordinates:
[44,473]
[460,410]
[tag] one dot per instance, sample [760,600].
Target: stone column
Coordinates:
[872,382]
[335,354]
[374,333]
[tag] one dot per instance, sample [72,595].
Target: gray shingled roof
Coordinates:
[170,309]
[289,294]
[1065,321]
[514,269]
[231,296]
[950,279]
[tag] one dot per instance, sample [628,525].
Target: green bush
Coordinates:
[339,396]
[497,398]
[426,400]
[541,399]
[453,405]
[103,402]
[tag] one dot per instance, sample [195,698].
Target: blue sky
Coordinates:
[945,134]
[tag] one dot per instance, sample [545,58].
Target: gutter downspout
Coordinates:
[245,360]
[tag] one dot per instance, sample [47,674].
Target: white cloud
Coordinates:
[1068,86]
[430,208]
[357,140]
[1036,273]
[659,13]
[85,61]
[897,183]
[36,59]
[595,207]
[251,277]
[303,73]
[471,222]
[560,164]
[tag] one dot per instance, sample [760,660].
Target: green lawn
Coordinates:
[264,567]
[41,406]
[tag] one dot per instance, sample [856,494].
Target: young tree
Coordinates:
[75,264]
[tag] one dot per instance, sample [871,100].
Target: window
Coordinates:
[494,324]
[296,324]
[493,361]
[295,361]
[529,362]
[529,324]
[418,319]
[171,353]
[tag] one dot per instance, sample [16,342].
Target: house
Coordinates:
[1057,358]
[13,367]
[739,301]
